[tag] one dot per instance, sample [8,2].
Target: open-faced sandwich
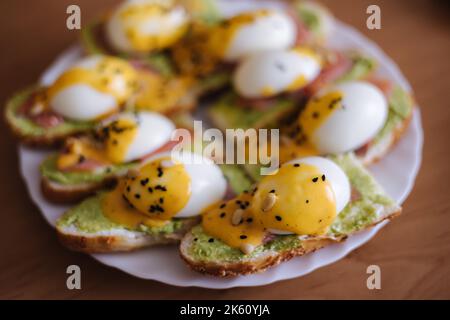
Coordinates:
[93,161]
[83,95]
[307,204]
[155,203]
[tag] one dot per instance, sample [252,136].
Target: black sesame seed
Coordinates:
[249,220]
[195,239]
[296,165]
[243,206]
[211,240]
[128,189]
[323,177]
[315,115]
[278,218]
[222,215]
[144,181]
[272,191]
[243,236]
[150,189]
[307,201]
[161,200]
[137,196]
[315,179]
[222,206]
[81,158]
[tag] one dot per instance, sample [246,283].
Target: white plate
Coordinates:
[396,173]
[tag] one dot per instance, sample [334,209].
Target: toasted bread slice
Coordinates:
[84,228]
[31,133]
[71,187]
[368,207]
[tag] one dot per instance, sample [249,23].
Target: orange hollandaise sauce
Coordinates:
[135,18]
[118,210]
[160,94]
[160,189]
[220,222]
[115,139]
[296,199]
[110,75]
[192,54]
[223,34]
[313,116]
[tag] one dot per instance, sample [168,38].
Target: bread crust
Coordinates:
[82,242]
[70,194]
[261,263]
[396,134]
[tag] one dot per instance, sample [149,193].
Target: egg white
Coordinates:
[275,70]
[275,31]
[364,114]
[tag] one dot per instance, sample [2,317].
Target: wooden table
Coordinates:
[413,251]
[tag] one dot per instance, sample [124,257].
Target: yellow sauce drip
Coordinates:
[267,91]
[77,151]
[135,16]
[160,94]
[217,222]
[111,76]
[116,209]
[223,34]
[315,114]
[192,54]
[160,190]
[298,83]
[116,138]
[305,203]
[120,135]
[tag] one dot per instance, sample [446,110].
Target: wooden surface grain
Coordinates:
[413,251]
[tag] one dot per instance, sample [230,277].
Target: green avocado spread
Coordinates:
[400,108]
[359,214]
[49,170]
[87,217]
[27,127]
[229,113]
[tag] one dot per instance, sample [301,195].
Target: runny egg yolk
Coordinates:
[111,76]
[223,34]
[137,15]
[116,137]
[233,223]
[316,112]
[118,210]
[161,94]
[160,190]
[297,199]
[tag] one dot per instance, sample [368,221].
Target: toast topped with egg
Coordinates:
[155,203]
[92,89]
[254,231]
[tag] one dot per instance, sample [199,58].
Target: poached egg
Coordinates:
[343,117]
[302,197]
[140,26]
[252,32]
[92,88]
[122,138]
[270,73]
[167,186]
